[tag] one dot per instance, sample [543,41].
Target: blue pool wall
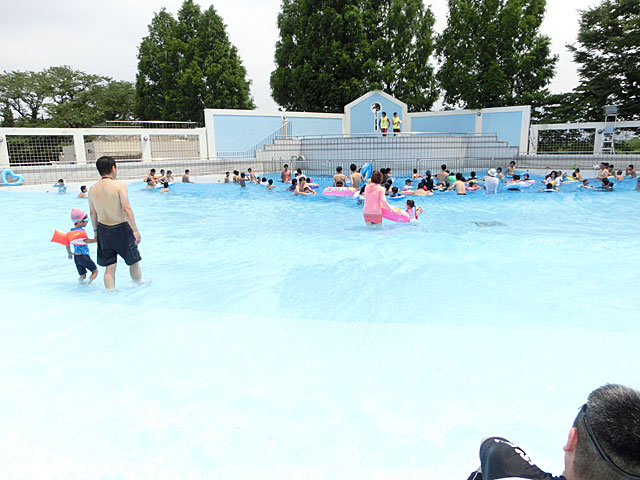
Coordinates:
[240,130]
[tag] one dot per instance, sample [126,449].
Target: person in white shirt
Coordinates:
[491,182]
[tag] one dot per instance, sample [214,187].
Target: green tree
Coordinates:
[607,51]
[64,97]
[333,51]
[188,64]
[493,54]
[400,46]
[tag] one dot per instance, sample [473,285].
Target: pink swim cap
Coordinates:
[77,215]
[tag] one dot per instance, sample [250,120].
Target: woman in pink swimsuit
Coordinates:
[374,199]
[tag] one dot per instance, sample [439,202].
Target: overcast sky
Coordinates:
[102,37]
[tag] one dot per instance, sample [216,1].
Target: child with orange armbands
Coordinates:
[80,249]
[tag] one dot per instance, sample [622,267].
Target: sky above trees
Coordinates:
[103,38]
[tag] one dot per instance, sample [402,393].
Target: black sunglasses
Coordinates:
[598,447]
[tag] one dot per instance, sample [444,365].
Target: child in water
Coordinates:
[165,187]
[411,210]
[83,192]
[80,253]
[62,188]
[270,184]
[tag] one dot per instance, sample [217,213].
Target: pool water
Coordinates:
[280,337]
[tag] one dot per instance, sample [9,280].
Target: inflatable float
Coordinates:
[340,191]
[520,184]
[396,198]
[366,172]
[395,214]
[8,174]
[472,187]
[75,237]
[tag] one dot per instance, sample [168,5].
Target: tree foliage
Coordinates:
[188,64]
[493,54]
[608,52]
[63,97]
[331,52]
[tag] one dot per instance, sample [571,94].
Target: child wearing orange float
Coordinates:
[80,249]
[412,210]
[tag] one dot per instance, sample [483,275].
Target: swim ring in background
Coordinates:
[8,173]
[339,191]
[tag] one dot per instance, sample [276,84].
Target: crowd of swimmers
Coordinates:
[443,180]
[165,179]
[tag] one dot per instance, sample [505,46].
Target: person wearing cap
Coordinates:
[80,253]
[114,224]
[491,182]
[603,443]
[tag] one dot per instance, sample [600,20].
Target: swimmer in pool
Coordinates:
[604,171]
[511,168]
[619,175]
[186,177]
[270,184]
[62,188]
[607,186]
[394,192]
[631,171]
[415,174]
[303,188]
[459,185]
[83,192]
[407,185]
[339,177]
[242,180]
[411,210]
[585,184]
[236,176]
[165,187]
[294,184]
[252,176]
[500,174]
[285,176]
[549,187]
[423,190]
[226,177]
[356,177]
[472,178]
[151,178]
[577,175]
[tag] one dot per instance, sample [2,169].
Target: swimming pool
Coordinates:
[281,337]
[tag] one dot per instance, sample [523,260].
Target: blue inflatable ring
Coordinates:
[7,172]
[366,172]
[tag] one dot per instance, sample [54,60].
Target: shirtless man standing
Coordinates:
[442,176]
[114,225]
[285,176]
[339,177]
[355,177]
